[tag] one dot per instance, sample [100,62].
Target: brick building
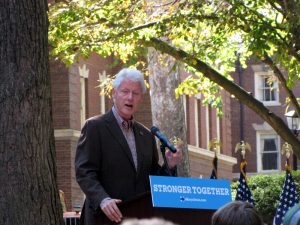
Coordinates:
[75,97]
[265,143]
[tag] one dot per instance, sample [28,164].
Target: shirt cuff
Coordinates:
[103,201]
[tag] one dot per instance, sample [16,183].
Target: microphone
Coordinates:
[163,139]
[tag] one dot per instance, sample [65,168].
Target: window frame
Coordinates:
[259,138]
[259,89]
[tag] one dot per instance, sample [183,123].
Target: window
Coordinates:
[84,74]
[266,88]
[268,154]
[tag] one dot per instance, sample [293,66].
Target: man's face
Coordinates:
[127,98]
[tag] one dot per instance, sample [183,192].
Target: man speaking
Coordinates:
[116,154]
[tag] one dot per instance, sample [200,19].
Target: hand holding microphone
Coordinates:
[174,156]
[155,131]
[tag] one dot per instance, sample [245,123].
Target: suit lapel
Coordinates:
[116,132]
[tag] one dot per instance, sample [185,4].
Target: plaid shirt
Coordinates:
[127,129]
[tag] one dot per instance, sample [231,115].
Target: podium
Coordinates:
[141,207]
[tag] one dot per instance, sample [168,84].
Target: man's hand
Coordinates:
[111,210]
[174,158]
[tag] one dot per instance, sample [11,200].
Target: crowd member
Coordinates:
[237,213]
[116,154]
[292,217]
[151,221]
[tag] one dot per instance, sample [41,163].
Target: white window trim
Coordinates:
[196,121]
[257,79]
[84,74]
[218,127]
[258,151]
[207,125]
[102,77]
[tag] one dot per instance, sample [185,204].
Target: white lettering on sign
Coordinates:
[190,189]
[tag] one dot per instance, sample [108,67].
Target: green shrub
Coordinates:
[266,191]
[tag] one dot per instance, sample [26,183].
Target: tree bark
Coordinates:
[28,190]
[167,111]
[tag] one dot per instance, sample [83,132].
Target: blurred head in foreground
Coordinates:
[237,213]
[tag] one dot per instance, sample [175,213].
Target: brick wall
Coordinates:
[74,98]
[60,95]
[251,118]
[64,166]
[201,162]
[225,125]
[65,87]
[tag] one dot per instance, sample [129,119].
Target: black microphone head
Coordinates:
[154,130]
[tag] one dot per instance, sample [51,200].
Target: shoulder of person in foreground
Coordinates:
[237,213]
[292,217]
[151,221]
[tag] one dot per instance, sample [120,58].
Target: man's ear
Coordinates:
[113,94]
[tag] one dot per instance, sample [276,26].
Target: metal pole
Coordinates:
[241,83]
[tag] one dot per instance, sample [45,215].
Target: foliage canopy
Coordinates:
[205,35]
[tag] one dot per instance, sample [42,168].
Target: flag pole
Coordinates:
[243,191]
[214,145]
[288,195]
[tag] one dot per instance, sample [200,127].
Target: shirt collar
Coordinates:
[122,123]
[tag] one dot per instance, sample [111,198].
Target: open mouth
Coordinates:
[129,105]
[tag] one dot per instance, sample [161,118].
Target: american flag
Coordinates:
[214,172]
[288,197]
[243,192]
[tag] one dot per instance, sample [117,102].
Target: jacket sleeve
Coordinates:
[87,164]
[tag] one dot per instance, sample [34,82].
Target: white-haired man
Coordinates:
[116,154]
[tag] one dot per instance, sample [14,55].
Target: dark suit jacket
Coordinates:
[104,164]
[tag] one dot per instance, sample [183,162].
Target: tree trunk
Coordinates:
[167,111]
[28,190]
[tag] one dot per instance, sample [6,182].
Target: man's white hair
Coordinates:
[131,74]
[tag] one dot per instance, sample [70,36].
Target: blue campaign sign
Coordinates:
[193,193]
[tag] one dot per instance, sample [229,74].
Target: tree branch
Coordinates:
[274,121]
[166,4]
[282,81]
[272,3]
